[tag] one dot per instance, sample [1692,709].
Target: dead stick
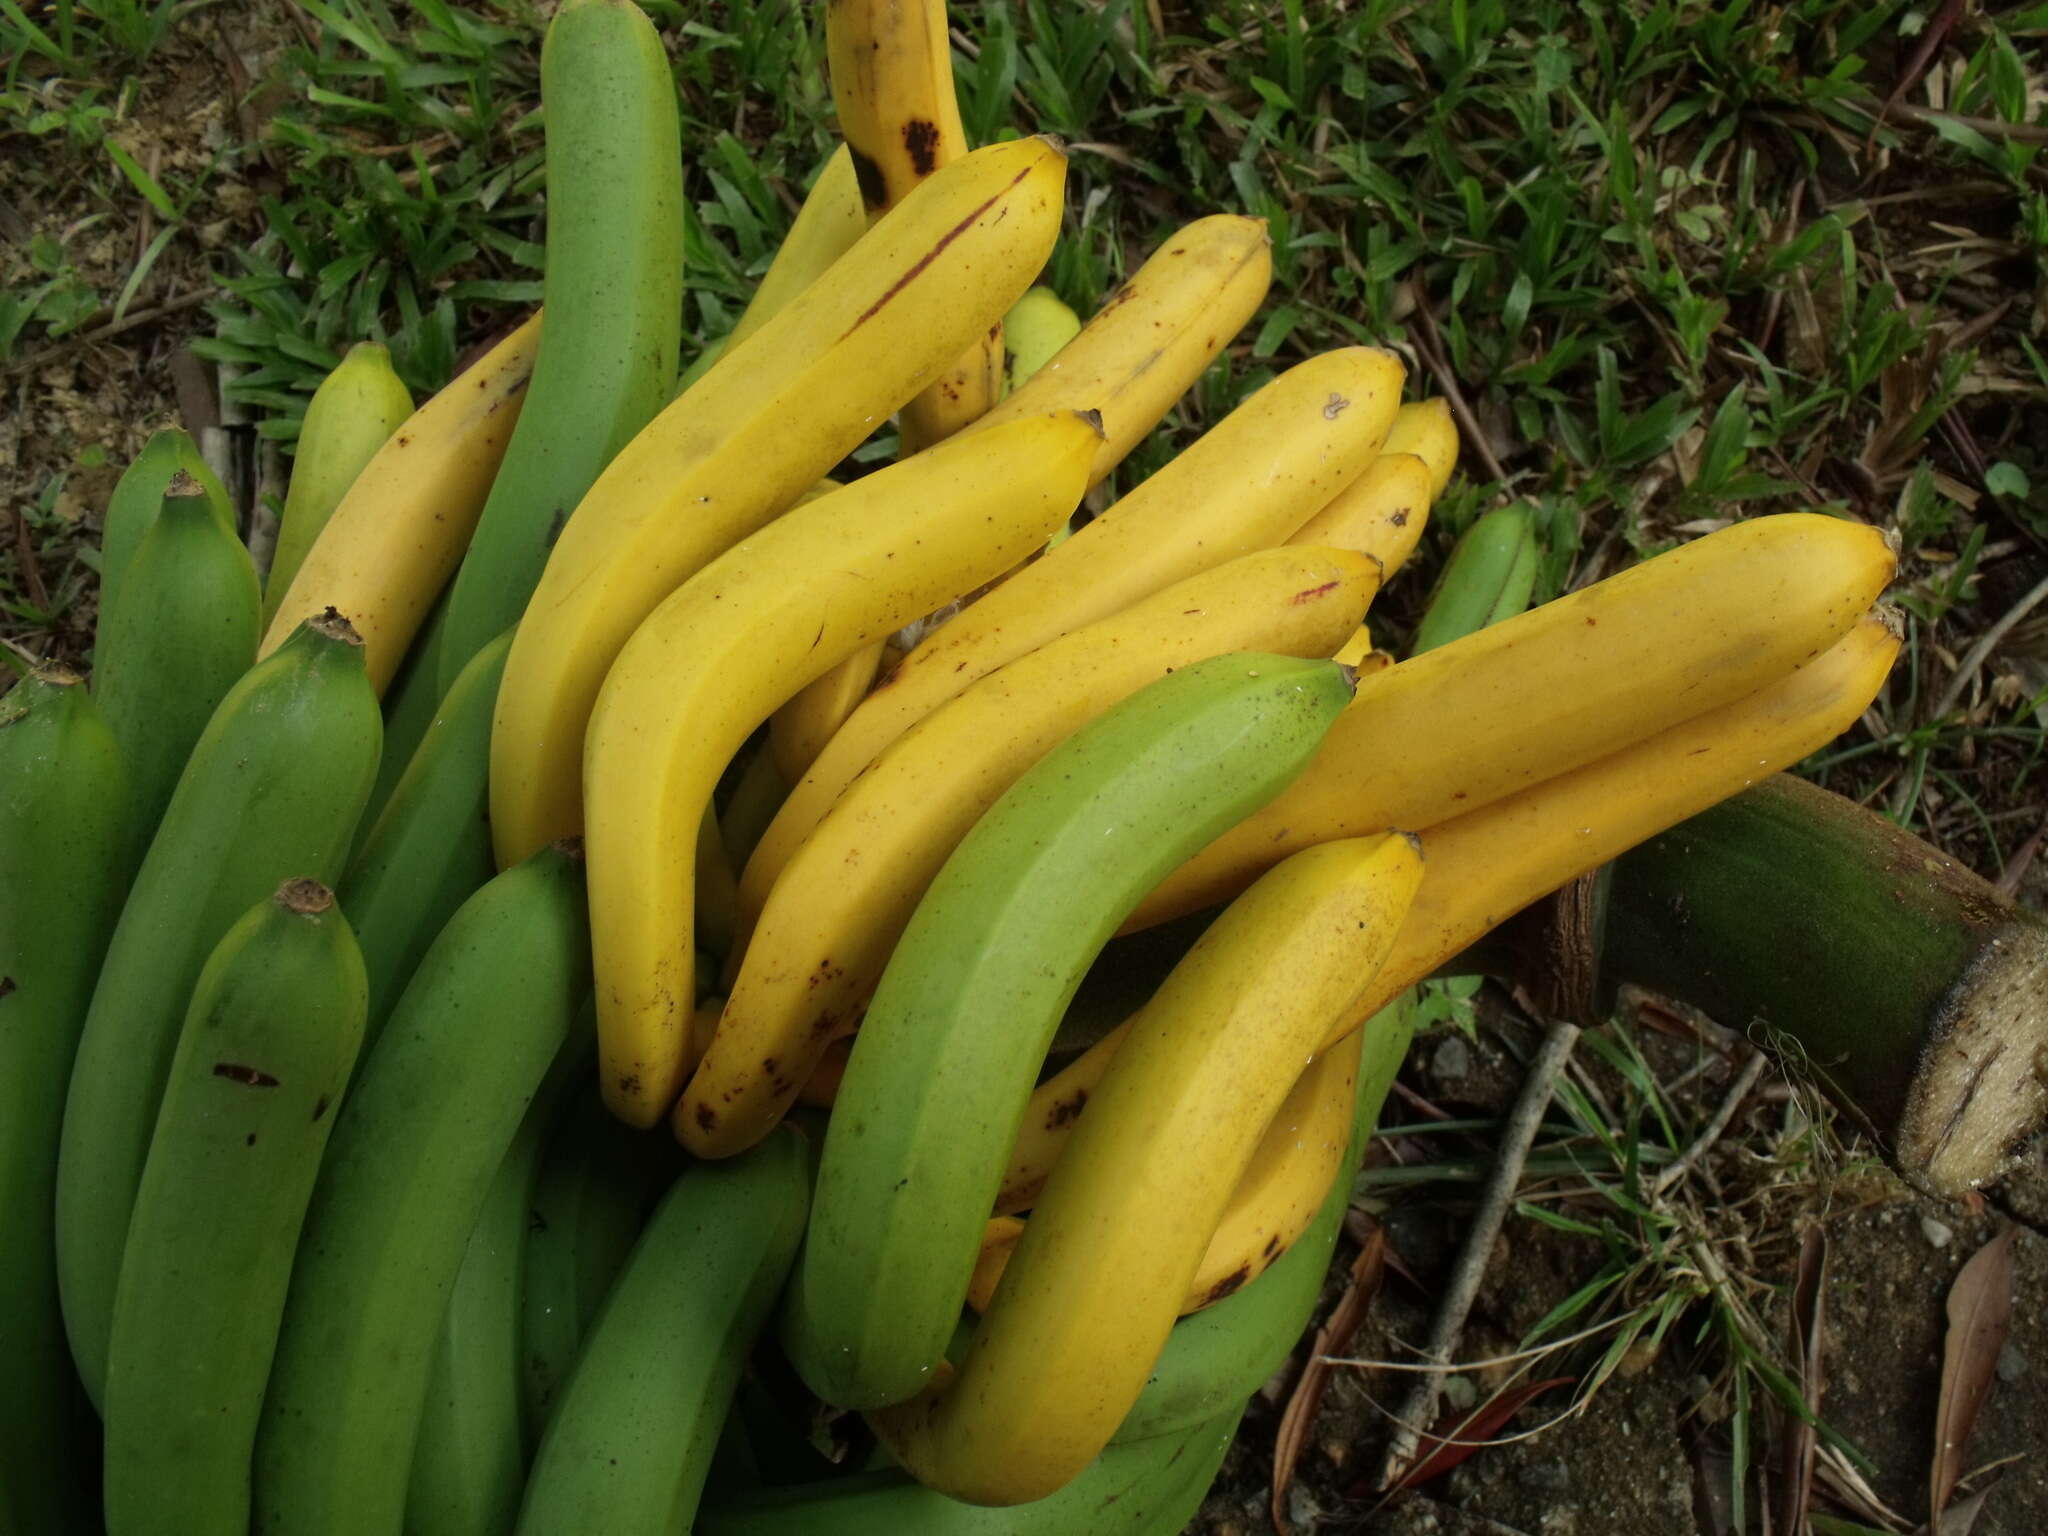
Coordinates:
[1517,1137]
[76,339]
[1703,1143]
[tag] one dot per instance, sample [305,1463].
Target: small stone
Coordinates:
[1459,1392]
[1452,1060]
[1940,1234]
[2012,1365]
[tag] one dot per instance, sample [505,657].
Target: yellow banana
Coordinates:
[1563,684]
[399,533]
[832,920]
[1353,652]
[746,441]
[1488,864]
[801,728]
[1382,513]
[737,639]
[1154,336]
[1249,483]
[891,65]
[1273,1203]
[1052,1371]
[1426,429]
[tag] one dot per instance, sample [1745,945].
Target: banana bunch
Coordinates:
[638,937]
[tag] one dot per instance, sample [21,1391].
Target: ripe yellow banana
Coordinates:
[1051,1371]
[1282,1188]
[831,219]
[737,639]
[801,728]
[832,920]
[399,533]
[1356,651]
[1260,474]
[1382,513]
[891,66]
[1488,864]
[1426,429]
[752,436]
[1561,685]
[1154,336]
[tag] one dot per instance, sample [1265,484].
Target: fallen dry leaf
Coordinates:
[1333,1338]
[1457,1436]
[1979,1316]
[1801,1441]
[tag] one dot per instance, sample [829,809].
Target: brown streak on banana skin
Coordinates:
[1066,1111]
[1228,1284]
[1312,593]
[249,1077]
[931,255]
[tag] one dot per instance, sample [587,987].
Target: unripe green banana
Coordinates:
[933,1096]
[430,849]
[613,295]
[357,406]
[64,864]
[1490,576]
[596,1182]
[182,631]
[410,705]
[271,792]
[469,1461]
[133,506]
[425,1127]
[628,1446]
[1223,1354]
[1147,1488]
[1036,327]
[268,1043]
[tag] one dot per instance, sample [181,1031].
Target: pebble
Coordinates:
[2012,1365]
[1940,1234]
[1452,1059]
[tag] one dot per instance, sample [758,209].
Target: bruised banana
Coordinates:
[737,639]
[182,633]
[1273,1202]
[1151,339]
[1488,864]
[747,441]
[1564,684]
[271,792]
[397,536]
[830,219]
[891,67]
[65,856]
[613,293]
[839,907]
[1246,485]
[1131,1206]
[932,1097]
[350,417]
[271,1035]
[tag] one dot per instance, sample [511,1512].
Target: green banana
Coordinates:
[613,295]
[596,1181]
[1146,1488]
[631,1440]
[133,506]
[183,630]
[469,1461]
[425,1127]
[271,792]
[1490,576]
[64,864]
[430,848]
[357,406]
[1036,327]
[932,1096]
[410,705]
[1224,1353]
[275,1022]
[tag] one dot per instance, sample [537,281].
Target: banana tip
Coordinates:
[333,624]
